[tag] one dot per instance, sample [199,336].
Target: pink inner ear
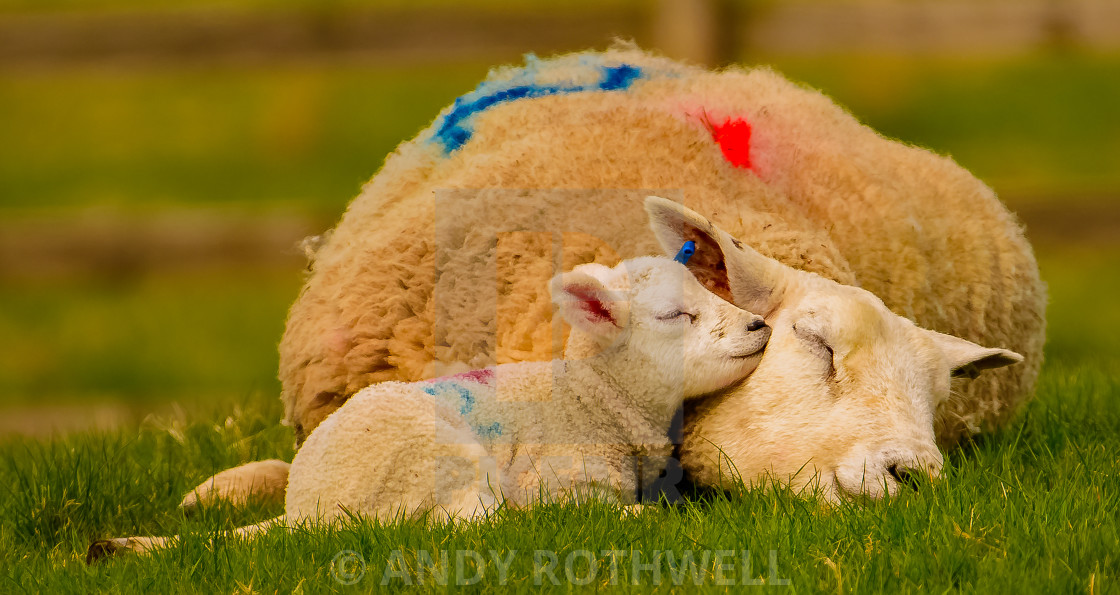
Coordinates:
[590,303]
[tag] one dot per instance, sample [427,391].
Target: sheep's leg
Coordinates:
[632,510]
[146,545]
[250,531]
[260,480]
[103,548]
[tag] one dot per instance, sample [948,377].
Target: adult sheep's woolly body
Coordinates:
[442,262]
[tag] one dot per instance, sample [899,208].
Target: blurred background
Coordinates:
[161,159]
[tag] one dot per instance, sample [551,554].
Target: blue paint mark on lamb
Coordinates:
[459,389]
[489,432]
[466,399]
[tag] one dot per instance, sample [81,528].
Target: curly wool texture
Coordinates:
[441,263]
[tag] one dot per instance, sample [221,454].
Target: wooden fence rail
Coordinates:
[707,31]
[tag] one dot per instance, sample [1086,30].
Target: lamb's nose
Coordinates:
[756,324]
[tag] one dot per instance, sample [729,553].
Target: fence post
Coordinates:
[699,31]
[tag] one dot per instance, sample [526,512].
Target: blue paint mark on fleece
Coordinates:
[451,389]
[466,399]
[491,431]
[619,77]
[454,132]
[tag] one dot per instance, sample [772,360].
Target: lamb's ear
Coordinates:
[967,359]
[723,264]
[589,306]
[605,274]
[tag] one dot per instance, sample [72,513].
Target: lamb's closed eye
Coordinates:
[678,315]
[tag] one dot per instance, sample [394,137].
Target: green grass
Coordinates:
[1034,506]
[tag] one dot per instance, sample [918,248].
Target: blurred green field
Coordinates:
[203,337]
[1034,128]
[307,136]
[304,137]
[1083,320]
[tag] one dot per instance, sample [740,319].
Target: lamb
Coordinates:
[563,425]
[513,433]
[440,264]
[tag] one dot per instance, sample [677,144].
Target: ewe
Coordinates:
[516,432]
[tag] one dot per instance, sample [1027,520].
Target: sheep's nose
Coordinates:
[913,473]
[904,475]
[756,324]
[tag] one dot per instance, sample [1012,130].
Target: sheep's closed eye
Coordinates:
[819,347]
[678,315]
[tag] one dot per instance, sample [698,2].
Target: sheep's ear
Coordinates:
[723,264]
[967,359]
[589,306]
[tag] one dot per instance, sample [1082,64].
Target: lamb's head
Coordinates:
[846,393]
[654,315]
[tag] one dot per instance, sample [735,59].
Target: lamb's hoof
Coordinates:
[632,510]
[189,505]
[103,548]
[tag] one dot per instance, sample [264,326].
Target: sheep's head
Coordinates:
[846,393]
[661,321]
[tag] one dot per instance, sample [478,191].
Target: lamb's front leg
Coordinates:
[146,545]
[103,548]
[260,480]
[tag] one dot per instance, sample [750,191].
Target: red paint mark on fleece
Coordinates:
[589,300]
[482,376]
[733,137]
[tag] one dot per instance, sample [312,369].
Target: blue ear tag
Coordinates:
[687,250]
